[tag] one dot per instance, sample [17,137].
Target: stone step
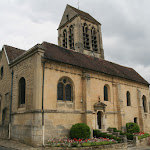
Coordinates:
[131,145]
[131,148]
[109,133]
[103,131]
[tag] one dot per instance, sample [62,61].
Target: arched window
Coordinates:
[0,103]
[68,92]
[85,36]
[4,114]
[60,91]
[144,103]
[65,89]
[22,91]
[71,37]
[65,39]
[2,72]
[128,98]
[105,93]
[135,120]
[94,39]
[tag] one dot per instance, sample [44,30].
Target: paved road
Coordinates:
[3,148]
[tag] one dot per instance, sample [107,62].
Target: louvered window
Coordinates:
[71,37]
[65,39]
[144,103]
[86,37]
[94,39]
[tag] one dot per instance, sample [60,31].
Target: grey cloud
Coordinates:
[125,26]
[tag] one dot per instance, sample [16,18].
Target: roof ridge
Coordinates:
[83,14]
[78,9]
[63,55]
[13,52]
[15,47]
[88,55]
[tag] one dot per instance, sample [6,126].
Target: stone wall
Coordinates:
[62,115]
[141,142]
[121,146]
[5,88]
[27,120]
[59,116]
[23,69]
[5,92]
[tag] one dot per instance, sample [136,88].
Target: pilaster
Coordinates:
[119,106]
[87,117]
[141,112]
[38,80]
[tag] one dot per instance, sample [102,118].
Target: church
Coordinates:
[48,88]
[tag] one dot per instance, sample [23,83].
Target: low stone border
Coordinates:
[121,146]
[141,142]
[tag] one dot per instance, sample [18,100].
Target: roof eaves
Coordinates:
[96,71]
[27,53]
[6,54]
[84,15]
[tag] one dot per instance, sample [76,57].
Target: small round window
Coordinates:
[2,71]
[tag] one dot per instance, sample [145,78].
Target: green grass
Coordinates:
[88,144]
[143,136]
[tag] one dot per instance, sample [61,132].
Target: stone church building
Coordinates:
[49,88]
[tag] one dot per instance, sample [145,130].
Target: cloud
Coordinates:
[125,26]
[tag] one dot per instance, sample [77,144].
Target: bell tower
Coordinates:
[79,31]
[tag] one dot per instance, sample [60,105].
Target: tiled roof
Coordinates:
[84,15]
[59,54]
[13,53]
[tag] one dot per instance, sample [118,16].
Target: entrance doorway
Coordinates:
[99,119]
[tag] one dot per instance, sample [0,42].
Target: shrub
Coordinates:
[97,134]
[132,128]
[114,129]
[74,144]
[104,135]
[117,138]
[145,135]
[97,143]
[110,136]
[80,131]
[129,136]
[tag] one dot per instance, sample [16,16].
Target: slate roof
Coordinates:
[59,54]
[84,15]
[13,53]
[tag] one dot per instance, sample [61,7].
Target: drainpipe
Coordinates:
[43,103]
[10,108]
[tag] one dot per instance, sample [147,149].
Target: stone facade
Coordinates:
[43,116]
[5,92]
[87,92]
[26,121]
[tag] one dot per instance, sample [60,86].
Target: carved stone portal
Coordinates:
[100,106]
[100,115]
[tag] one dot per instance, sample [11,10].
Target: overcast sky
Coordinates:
[125,27]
